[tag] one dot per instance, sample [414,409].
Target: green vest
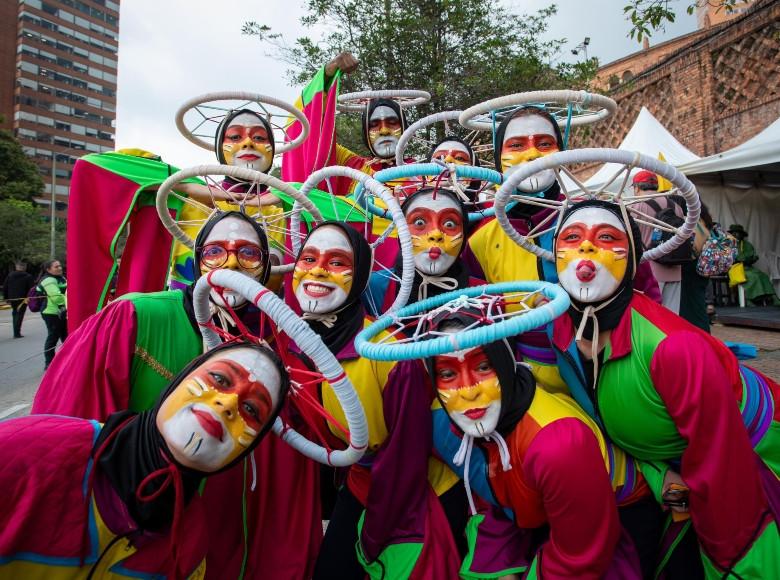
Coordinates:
[165,343]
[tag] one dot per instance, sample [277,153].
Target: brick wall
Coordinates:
[718,90]
[8,19]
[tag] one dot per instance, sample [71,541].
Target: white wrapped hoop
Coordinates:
[310,344]
[593,107]
[356,102]
[219,113]
[421,124]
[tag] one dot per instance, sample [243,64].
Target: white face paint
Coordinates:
[436,227]
[452,146]
[384,145]
[525,126]
[207,423]
[320,287]
[257,157]
[232,229]
[591,254]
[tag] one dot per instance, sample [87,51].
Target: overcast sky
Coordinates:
[172,50]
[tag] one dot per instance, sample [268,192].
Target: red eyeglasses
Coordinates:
[248,255]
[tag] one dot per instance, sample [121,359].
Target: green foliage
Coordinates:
[461,51]
[19,177]
[25,233]
[648,16]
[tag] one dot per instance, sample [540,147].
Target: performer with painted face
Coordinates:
[528,134]
[386,506]
[123,501]
[545,460]
[122,357]
[437,221]
[670,395]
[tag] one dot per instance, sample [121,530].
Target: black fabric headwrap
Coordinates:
[457,270]
[351,314]
[524,210]
[136,450]
[609,316]
[366,118]
[517,383]
[217,217]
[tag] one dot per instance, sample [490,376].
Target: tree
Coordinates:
[25,234]
[648,16]
[461,51]
[19,176]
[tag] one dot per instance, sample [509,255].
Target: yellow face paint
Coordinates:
[469,391]
[322,279]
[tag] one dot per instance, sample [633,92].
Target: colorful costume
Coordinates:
[758,288]
[148,338]
[120,500]
[538,455]
[667,393]
[412,541]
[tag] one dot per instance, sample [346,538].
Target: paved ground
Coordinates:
[21,360]
[21,363]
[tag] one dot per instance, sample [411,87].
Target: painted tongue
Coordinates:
[434,253]
[586,271]
[209,423]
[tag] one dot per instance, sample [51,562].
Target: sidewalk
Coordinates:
[21,363]
[767,341]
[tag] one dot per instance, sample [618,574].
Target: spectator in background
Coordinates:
[669,276]
[55,315]
[758,288]
[15,288]
[694,305]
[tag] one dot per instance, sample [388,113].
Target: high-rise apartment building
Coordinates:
[58,81]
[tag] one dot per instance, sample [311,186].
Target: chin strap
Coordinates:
[589,313]
[327,319]
[444,282]
[463,457]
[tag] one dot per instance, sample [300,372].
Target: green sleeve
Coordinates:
[654,473]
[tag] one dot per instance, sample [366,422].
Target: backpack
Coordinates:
[37,299]
[717,254]
[682,254]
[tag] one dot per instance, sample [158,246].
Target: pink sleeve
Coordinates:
[90,375]
[565,464]
[718,465]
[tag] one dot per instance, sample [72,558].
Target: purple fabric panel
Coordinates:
[396,505]
[645,282]
[719,466]
[90,376]
[501,545]
[625,561]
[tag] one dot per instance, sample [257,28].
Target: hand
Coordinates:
[675,492]
[344,62]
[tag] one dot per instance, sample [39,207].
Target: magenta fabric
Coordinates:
[90,376]
[44,465]
[283,515]
[439,557]
[318,150]
[146,257]
[98,205]
[719,465]
[565,464]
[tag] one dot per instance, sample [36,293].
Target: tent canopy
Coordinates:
[647,136]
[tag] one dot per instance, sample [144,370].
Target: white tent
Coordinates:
[650,137]
[742,185]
